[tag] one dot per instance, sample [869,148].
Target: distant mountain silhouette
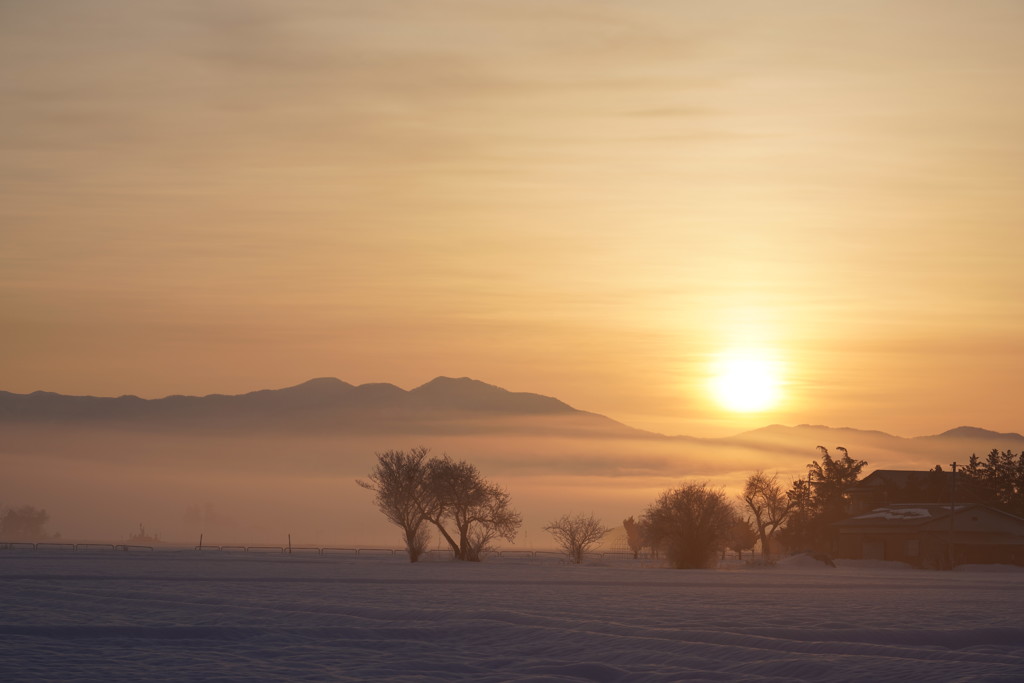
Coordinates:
[877,447]
[975,433]
[471,395]
[326,403]
[830,437]
[453,406]
[807,429]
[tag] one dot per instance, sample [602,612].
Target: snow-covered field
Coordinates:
[181,616]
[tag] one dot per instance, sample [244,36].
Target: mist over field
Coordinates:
[102,484]
[687,242]
[261,481]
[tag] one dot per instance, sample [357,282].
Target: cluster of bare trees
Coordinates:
[416,492]
[800,517]
[688,525]
[691,523]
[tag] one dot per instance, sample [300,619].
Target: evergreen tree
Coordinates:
[820,500]
[1000,478]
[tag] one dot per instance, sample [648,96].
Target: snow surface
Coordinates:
[232,617]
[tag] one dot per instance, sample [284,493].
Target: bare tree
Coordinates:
[577,534]
[24,523]
[741,536]
[468,511]
[399,479]
[635,535]
[769,506]
[690,523]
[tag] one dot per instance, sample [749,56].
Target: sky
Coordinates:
[597,201]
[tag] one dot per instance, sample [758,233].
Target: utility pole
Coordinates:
[807,513]
[952,514]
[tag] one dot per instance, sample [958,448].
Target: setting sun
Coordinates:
[745,382]
[296,295]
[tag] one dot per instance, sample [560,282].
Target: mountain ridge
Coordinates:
[968,432]
[331,403]
[320,403]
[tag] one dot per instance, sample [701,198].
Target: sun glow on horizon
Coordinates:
[746,381]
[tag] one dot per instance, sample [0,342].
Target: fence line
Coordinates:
[319,551]
[303,550]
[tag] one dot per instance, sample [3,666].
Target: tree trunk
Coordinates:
[451,542]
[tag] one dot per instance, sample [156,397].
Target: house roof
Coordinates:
[971,523]
[907,515]
[931,485]
[898,478]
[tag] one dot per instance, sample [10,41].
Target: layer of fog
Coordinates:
[259,488]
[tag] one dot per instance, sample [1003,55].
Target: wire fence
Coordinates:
[313,551]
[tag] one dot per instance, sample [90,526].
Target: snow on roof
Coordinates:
[906,513]
[897,513]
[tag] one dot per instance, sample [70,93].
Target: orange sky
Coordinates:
[585,199]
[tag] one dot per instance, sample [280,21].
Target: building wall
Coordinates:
[926,549]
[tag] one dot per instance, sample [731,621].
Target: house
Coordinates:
[928,534]
[891,487]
